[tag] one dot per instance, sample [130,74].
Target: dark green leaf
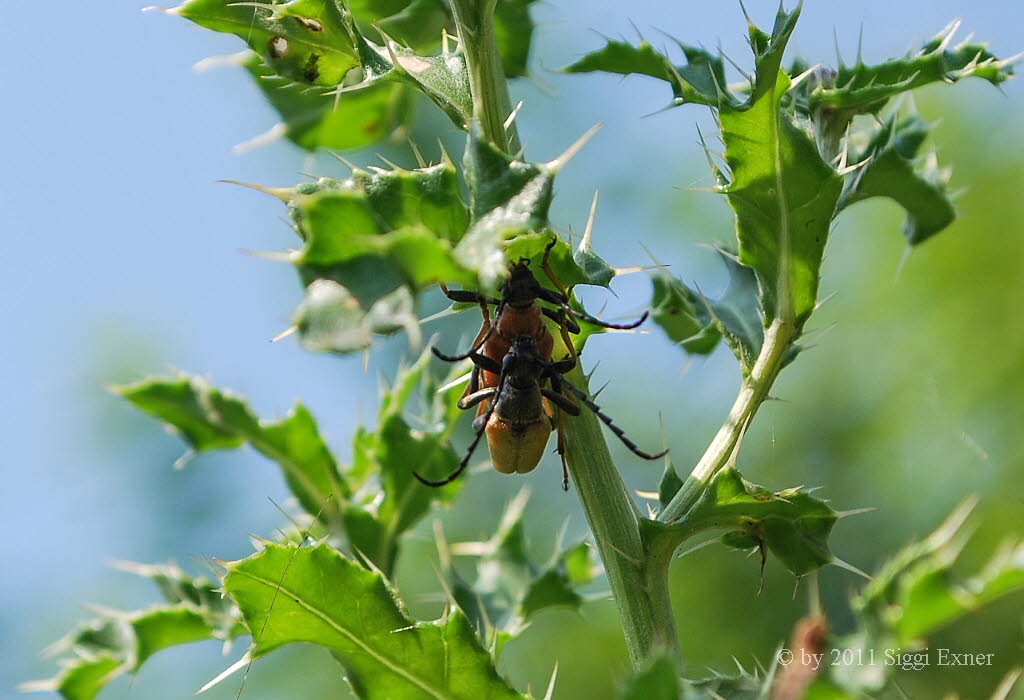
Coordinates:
[670,483]
[793,525]
[418,25]
[208,419]
[513,31]
[386,655]
[700,81]
[657,680]
[893,169]
[682,314]
[697,323]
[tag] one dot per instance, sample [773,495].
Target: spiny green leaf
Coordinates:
[511,588]
[657,680]
[893,169]
[307,41]
[199,593]
[792,524]
[784,197]
[120,642]
[313,119]
[386,655]
[697,323]
[319,43]
[209,419]
[509,208]
[700,81]
[919,591]
[863,89]
[392,453]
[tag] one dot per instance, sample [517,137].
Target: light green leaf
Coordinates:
[331,319]
[784,197]
[209,419]
[892,168]
[919,591]
[793,525]
[386,655]
[391,453]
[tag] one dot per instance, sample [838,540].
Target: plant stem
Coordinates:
[778,338]
[642,598]
[491,102]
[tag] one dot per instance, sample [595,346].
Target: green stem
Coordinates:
[778,338]
[640,592]
[491,102]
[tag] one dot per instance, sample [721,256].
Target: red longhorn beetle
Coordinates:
[519,378]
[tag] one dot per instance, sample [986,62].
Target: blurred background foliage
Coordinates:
[123,261]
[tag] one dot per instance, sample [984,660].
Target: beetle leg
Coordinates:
[550,273]
[466,296]
[470,400]
[473,445]
[481,338]
[557,380]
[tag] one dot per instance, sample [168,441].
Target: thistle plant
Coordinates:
[801,143]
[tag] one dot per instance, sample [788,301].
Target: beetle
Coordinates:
[514,377]
[516,419]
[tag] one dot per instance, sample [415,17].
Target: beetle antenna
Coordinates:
[606,419]
[472,446]
[605,324]
[472,351]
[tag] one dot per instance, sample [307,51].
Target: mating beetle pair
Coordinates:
[514,378]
